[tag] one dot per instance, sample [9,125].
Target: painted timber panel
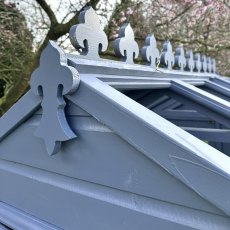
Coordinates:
[108,156]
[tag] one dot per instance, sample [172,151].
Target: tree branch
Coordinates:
[226,3]
[177,16]
[48,10]
[58,29]
[74,20]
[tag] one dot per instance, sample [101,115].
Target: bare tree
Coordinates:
[202,25]
[54,29]
[15,52]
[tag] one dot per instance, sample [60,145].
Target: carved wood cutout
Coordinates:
[189,60]
[88,35]
[213,61]
[150,53]
[52,80]
[125,46]
[198,63]
[167,57]
[204,63]
[209,65]
[180,60]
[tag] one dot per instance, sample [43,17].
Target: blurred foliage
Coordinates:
[15,50]
[200,25]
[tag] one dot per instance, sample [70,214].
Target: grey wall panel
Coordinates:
[161,139]
[21,110]
[113,162]
[75,204]
[2,227]
[16,219]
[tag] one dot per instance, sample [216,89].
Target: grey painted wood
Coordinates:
[209,64]
[121,209]
[16,219]
[167,56]
[184,114]
[104,66]
[180,60]
[219,88]
[198,63]
[51,81]
[204,63]
[125,46]
[39,149]
[201,101]
[209,113]
[129,168]
[84,164]
[169,104]
[150,52]
[221,81]
[190,61]
[91,79]
[213,61]
[87,91]
[210,101]
[216,135]
[216,91]
[87,35]
[23,109]
[3,227]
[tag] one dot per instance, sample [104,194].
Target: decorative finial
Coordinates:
[150,53]
[180,60]
[213,61]
[189,60]
[88,35]
[198,63]
[125,46]
[204,63]
[167,57]
[209,65]
[52,80]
